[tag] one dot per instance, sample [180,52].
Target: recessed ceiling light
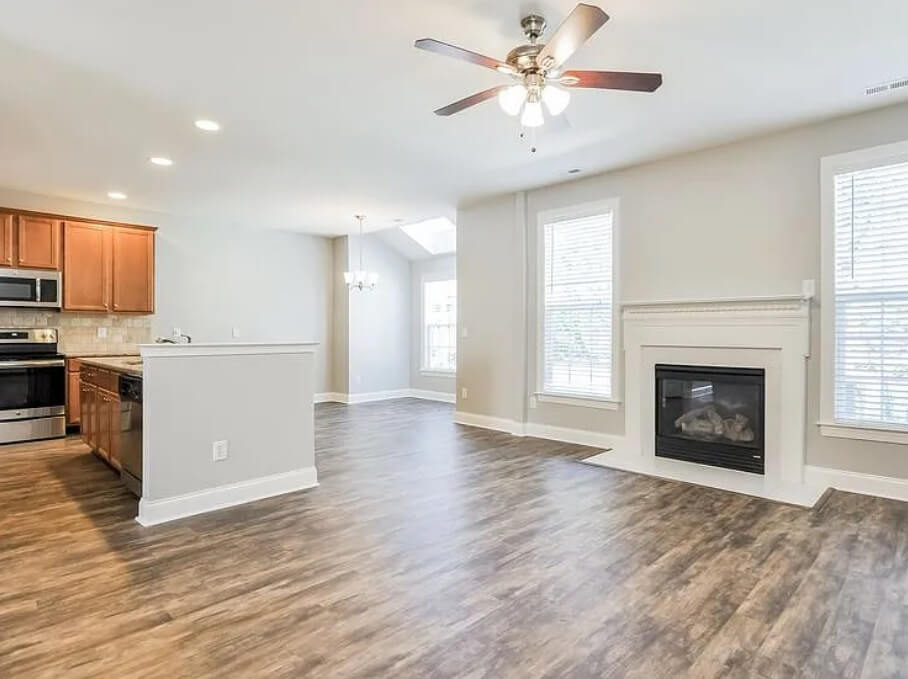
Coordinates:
[116,195]
[161,160]
[207,125]
[398,220]
[574,171]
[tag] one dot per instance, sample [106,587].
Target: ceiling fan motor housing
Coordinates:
[523,58]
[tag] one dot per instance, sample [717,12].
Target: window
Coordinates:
[865,337]
[439,326]
[576,303]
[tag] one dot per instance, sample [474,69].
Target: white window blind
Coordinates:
[440,326]
[577,306]
[871,296]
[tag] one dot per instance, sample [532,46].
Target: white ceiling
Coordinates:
[326,107]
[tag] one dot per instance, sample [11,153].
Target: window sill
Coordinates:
[438,373]
[863,432]
[579,401]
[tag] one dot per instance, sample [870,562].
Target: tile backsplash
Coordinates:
[78,333]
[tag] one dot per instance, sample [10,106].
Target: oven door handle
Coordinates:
[12,365]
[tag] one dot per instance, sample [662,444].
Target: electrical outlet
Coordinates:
[464,332]
[219,451]
[236,333]
[532,401]
[102,333]
[464,392]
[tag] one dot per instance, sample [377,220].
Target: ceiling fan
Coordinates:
[536,68]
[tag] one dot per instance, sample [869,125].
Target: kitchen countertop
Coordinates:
[129,365]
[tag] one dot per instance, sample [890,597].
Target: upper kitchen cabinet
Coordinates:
[7,228]
[133,270]
[108,268]
[38,245]
[86,267]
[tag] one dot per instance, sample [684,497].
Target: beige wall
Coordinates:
[340,350]
[371,327]
[741,219]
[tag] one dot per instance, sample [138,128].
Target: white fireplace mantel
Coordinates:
[772,333]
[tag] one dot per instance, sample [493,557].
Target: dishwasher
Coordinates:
[131,433]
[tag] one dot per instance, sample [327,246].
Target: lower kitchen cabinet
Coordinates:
[73,392]
[87,394]
[100,412]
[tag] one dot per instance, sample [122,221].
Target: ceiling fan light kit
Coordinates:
[536,69]
[511,99]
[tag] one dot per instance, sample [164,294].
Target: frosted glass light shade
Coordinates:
[555,99]
[512,98]
[532,115]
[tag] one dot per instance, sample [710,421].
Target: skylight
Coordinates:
[437,236]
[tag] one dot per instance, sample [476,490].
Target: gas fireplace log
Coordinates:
[706,422]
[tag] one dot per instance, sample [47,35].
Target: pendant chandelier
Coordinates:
[360,279]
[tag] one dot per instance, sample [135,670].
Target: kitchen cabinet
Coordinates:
[108,268]
[72,392]
[102,400]
[86,267]
[38,242]
[112,405]
[29,242]
[101,416]
[87,396]
[133,270]
[7,228]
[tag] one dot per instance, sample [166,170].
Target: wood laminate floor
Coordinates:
[437,550]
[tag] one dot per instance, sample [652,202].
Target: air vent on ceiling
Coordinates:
[882,88]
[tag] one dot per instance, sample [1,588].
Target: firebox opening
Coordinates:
[711,415]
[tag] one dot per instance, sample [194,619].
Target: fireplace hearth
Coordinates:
[711,415]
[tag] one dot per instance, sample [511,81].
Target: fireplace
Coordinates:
[711,415]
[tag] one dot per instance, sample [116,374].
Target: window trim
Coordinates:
[432,277]
[578,211]
[830,166]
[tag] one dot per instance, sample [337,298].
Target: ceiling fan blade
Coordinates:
[443,48]
[467,102]
[579,26]
[612,80]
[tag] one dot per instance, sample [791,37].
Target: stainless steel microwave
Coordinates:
[31,288]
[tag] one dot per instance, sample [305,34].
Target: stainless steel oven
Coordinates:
[32,385]
[24,288]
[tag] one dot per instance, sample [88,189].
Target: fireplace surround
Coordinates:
[771,334]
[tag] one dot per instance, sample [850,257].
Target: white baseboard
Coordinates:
[541,431]
[581,437]
[426,395]
[488,422]
[153,512]
[855,482]
[369,397]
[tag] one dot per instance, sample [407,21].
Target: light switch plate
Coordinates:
[219,451]
[808,289]
[463,392]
